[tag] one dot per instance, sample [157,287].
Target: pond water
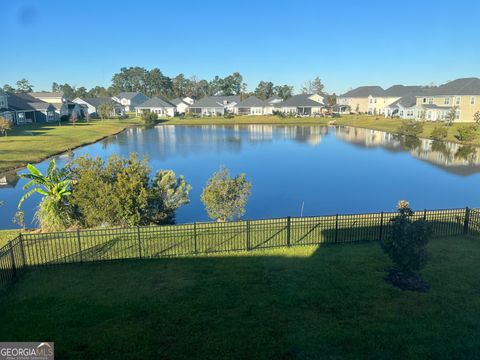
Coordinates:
[314,169]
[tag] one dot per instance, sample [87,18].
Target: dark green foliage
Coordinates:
[467,132]
[149,118]
[228,115]
[439,133]
[406,240]
[64,118]
[411,128]
[120,193]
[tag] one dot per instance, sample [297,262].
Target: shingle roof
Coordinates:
[406,101]
[25,102]
[302,100]
[216,101]
[177,101]
[464,86]
[252,101]
[402,90]
[128,94]
[97,101]
[364,91]
[274,99]
[155,102]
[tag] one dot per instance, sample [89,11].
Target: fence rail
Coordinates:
[206,238]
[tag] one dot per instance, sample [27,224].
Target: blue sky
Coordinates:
[346,43]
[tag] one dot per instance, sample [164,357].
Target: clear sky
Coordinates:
[346,43]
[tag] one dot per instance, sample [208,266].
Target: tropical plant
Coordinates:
[105,110]
[225,197]
[53,212]
[5,125]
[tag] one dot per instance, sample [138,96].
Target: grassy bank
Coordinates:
[33,143]
[300,303]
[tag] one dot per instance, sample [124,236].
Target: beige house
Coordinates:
[359,100]
[462,95]
[378,104]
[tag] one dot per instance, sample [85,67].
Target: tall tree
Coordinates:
[24,86]
[130,79]
[55,87]
[68,91]
[264,90]
[157,84]
[181,86]
[8,88]
[314,86]
[283,91]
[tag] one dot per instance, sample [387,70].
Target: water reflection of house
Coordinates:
[8,180]
[456,158]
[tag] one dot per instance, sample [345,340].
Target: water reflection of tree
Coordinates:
[467,153]
[409,143]
[442,148]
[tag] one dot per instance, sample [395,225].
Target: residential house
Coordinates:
[91,105]
[357,100]
[54,98]
[377,103]
[253,106]
[130,100]
[24,109]
[404,108]
[462,95]
[215,105]
[158,106]
[181,105]
[302,105]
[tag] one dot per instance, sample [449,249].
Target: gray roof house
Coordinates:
[130,100]
[24,109]
[158,106]
[181,104]
[363,92]
[252,106]
[92,105]
[303,105]
[215,105]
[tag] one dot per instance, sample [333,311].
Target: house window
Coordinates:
[371,101]
[429,115]
[457,100]
[21,117]
[446,101]
[472,100]
[457,115]
[424,100]
[430,101]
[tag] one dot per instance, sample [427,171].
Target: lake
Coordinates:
[294,170]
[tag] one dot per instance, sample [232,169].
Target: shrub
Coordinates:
[439,133]
[406,240]
[467,132]
[64,118]
[228,115]
[411,128]
[149,118]
[476,117]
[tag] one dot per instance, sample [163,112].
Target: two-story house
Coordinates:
[130,100]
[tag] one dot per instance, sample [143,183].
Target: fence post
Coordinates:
[195,248]
[247,245]
[22,250]
[12,257]
[288,231]
[336,228]
[466,221]
[139,242]
[381,226]
[425,215]
[79,246]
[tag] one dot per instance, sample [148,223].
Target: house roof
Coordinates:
[46,94]
[155,102]
[177,101]
[406,101]
[464,86]
[302,100]
[364,91]
[402,90]
[274,99]
[97,101]
[128,94]
[252,101]
[26,102]
[216,101]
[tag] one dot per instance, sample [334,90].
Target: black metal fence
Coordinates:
[80,246]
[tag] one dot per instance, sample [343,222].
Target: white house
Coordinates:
[130,100]
[158,106]
[215,105]
[253,106]
[92,105]
[303,105]
[181,104]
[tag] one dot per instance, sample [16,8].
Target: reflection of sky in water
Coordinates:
[331,170]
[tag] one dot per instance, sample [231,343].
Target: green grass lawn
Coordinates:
[33,143]
[298,303]
[7,235]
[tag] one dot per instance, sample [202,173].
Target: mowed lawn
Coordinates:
[297,303]
[33,143]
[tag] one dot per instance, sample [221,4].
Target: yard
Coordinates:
[297,303]
[33,143]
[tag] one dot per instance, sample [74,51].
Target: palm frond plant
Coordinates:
[53,212]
